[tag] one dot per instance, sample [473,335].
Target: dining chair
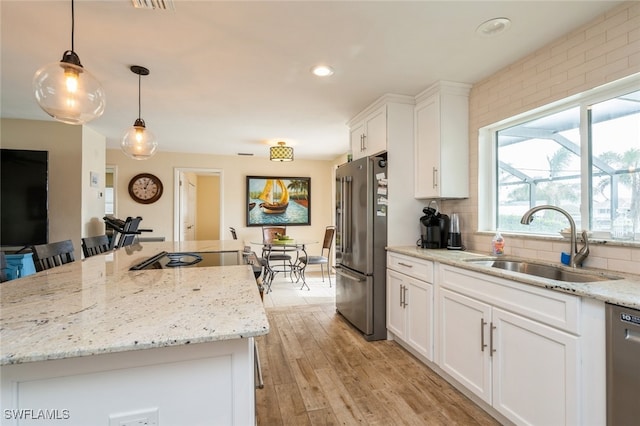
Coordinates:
[129,232]
[272,254]
[47,256]
[3,267]
[323,258]
[95,245]
[251,258]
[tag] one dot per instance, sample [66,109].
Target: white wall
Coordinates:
[93,161]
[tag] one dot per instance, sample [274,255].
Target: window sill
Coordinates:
[592,240]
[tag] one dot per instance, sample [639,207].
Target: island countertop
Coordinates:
[98,306]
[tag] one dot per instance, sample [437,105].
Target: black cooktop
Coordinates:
[164,260]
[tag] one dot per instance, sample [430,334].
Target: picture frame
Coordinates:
[94,179]
[278,201]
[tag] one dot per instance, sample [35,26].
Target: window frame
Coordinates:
[487,151]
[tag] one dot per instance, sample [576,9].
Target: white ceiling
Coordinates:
[230,77]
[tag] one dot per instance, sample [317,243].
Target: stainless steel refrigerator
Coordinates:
[361,237]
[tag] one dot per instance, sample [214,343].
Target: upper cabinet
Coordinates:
[441,132]
[372,128]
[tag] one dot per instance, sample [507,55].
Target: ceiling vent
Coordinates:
[154,4]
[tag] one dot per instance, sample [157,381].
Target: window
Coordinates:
[582,155]
[109,191]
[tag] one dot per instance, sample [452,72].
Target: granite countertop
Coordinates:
[624,291]
[98,306]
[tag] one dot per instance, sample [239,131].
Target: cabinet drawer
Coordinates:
[412,266]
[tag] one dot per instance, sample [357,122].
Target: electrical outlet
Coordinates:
[147,417]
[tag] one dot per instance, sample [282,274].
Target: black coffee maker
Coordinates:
[434,228]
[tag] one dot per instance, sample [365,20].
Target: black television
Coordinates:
[23,198]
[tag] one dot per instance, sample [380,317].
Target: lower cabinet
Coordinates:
[525,369]
[525,353]
[410,303]
[410,309]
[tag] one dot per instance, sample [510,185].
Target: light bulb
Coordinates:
[71,80]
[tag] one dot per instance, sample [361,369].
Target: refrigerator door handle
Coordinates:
[346,217]
[354,277]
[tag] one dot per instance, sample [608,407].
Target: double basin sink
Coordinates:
[558,273]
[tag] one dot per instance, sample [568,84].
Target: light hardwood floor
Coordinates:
[318,371]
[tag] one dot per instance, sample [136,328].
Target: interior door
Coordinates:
[187,208]
[190,217]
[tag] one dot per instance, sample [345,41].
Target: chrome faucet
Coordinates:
[575,257]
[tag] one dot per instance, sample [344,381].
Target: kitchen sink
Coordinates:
[552,272]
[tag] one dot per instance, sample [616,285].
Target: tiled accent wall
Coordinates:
[599,52]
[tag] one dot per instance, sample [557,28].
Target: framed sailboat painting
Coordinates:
[278,200]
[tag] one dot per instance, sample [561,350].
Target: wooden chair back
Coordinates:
[95,245]
[47,256]
[328,239]
[269,233]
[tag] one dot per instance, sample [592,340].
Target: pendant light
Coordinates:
[66,91]
[281,152]
[139,142]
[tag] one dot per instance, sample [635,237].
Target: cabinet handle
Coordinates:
[435,177]
[405,264]
[401,296]
[482,343]
[491,349]
[363,143]
[405,296]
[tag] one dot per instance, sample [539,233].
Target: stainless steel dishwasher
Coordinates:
[623,365]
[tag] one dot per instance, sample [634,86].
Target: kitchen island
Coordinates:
[91,342]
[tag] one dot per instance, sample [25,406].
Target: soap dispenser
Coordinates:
[497,244]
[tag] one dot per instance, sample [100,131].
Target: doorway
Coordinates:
[198,205]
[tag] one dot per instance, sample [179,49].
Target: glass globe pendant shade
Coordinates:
[68,92]
[138,142]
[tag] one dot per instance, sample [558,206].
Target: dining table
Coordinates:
[296,248]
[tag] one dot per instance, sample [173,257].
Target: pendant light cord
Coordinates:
[73,25]
[139,97]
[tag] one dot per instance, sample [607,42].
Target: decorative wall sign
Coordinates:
[94,179]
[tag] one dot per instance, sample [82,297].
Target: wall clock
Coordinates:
[145,188]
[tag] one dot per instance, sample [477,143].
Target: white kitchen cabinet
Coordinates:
[410,302]
[515,348]
[441,141]
[369,136]
[372,129]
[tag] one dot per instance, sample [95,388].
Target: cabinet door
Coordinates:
[395,306]
[427,148]
[375,140]
[464,341]
[357,140]
[535,371]
[419,326]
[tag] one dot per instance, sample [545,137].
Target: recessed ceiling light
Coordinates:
[322,70]
[493,27]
